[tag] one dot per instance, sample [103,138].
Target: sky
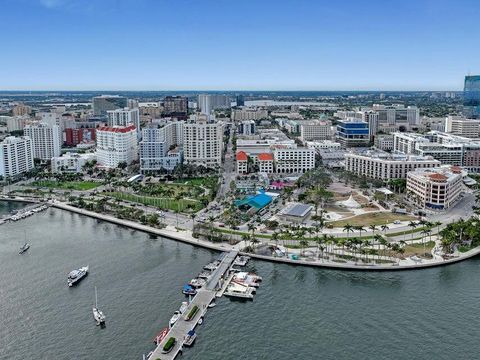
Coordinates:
[238,44]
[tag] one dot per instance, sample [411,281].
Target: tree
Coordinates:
[413,225]
[384,228]
[348,228]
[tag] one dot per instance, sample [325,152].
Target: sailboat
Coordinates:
[97,313]
[25,246]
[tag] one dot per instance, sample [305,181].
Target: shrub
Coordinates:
[169,344]
[192,313]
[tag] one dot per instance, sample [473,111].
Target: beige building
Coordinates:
[316,130]
[203,143]
[292,161]
[436,188]
[458,125]
[21,110]
[384,166]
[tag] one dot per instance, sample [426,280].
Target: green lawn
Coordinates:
[207,181]
[67,185]
[374,218]
[161,203]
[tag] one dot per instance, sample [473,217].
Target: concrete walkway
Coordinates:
[186,237]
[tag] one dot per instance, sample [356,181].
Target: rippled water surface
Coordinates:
[298,313]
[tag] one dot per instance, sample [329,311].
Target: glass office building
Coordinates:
[471,96]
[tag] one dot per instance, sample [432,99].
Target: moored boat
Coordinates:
[161,335]
[188,290]
[197,283]
[239,291]
[174,318]
[190,338]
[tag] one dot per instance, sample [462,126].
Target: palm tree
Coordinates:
[413,225]
[275,238]
[251,227]
[348,228]
[384,228]
[373,227]
[437,224]
[360,229]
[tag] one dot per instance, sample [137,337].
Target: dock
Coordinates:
[202,299]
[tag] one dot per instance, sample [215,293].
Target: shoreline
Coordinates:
[185,237]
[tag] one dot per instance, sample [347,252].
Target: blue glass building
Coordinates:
[471,96]
[352,133]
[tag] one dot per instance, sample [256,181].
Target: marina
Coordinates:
[154,270]
[196,310]
[219,278]
[24,213]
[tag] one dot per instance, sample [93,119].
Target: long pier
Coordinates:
[202,299]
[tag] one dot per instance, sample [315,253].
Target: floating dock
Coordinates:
[204,297]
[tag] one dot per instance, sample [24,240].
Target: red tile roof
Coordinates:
[456,169]
[117,129]
[265,157]
[242,156]
[438,177]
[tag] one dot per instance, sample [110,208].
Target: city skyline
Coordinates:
[287,45]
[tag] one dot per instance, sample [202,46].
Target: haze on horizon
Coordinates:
[243,45]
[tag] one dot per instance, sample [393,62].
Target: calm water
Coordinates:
[6,207]
[299,313]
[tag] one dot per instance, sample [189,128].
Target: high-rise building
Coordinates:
[249,114]
[16,156]
[21,110]
[353,132]
[75,136]
[315,130]
[101,104]
[45,139]
[203,143]
[161,147]
[206,103]
[116,144]
[294,161]
[461,126]
[125,117]
[240,100]
[175,106]
[15,123]
[246,127]
[471,96]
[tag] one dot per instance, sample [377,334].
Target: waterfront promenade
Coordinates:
[203,298]
[186,237]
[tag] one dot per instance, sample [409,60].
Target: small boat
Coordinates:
[161,335]
[76,275]
[212,304]
[204,275]
[190,338]
[239,291]
[212,266]
[174,318]
[197,283]
[188,290]
[249,279]
[97,313]
[241,260]
[24,248]
[183,307]
[200,321]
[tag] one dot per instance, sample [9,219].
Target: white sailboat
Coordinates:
[97,313]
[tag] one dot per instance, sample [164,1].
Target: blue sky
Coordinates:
[238,45]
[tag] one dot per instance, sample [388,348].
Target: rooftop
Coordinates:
[296,209]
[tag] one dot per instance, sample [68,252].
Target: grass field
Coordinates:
[377,218]
[67,185]
[161,203]
[417,249]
